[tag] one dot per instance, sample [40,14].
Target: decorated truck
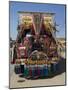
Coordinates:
[36,45]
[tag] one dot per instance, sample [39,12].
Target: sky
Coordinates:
[58,9]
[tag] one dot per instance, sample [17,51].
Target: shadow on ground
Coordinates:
[21,80]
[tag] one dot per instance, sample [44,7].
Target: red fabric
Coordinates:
[13,62]
[30,72]
[32,29]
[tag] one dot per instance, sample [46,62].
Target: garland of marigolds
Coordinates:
[37,62]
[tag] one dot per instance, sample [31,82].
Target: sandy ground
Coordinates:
[16,81]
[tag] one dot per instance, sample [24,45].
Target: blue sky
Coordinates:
[59,11]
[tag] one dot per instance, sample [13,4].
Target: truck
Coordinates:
[36,50]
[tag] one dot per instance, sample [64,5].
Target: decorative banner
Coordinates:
[47,18]
[41,62]
[25,19]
